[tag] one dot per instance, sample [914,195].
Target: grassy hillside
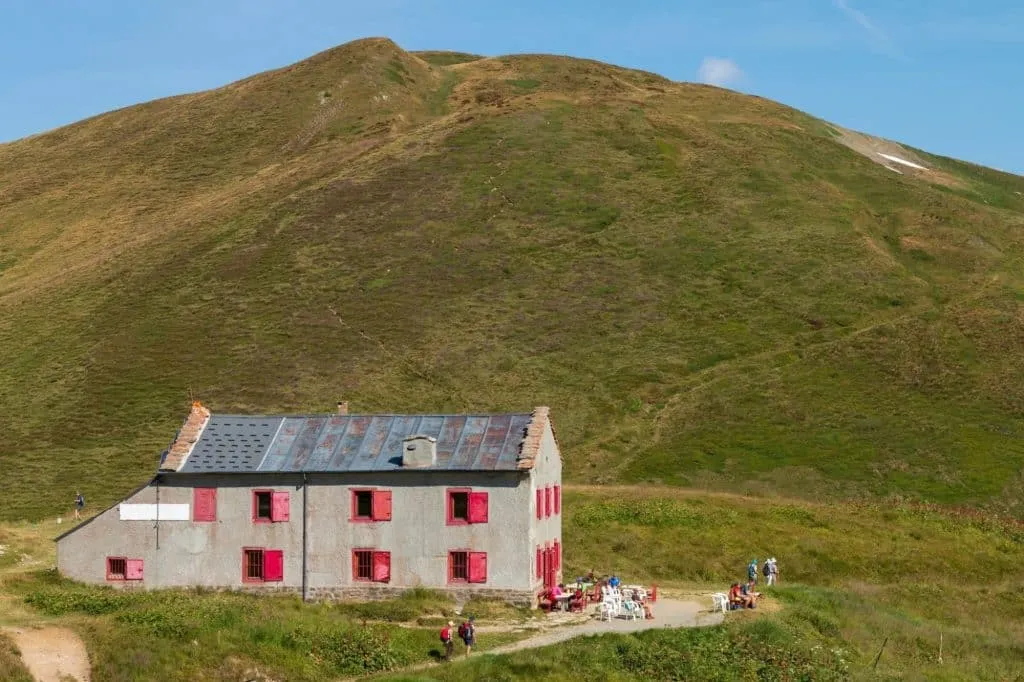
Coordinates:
[709,289]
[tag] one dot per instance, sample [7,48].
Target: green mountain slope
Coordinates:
[709,289]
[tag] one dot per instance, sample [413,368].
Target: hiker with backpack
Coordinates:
[447,641]
[752,571]
[766,571]
[467,632]
[79,504]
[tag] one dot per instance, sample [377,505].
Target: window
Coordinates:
[466,506]
[371,505]
[459,505]
[204,504]
[262,504]
[252,565]
[270,506]
[364,507]
[467,567]
[368,564]
[116,567]
[558,499]
[122,568]
[458,567]
[262,565]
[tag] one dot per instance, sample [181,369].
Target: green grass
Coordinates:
[707,289]
[855,577]
[182,635]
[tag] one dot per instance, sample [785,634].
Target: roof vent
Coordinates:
[419,451]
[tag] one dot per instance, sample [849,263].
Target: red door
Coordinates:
[549,568]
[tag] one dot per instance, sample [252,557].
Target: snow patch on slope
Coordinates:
[896,159]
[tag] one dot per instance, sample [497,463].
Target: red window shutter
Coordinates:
[540,503]
[133,569]
[478,507]
[204,504]
[381,505]
[279,508]
[382,567]
[273,564]
[558,555]
[558,499]
[478,567]
[540,562]
[547,501]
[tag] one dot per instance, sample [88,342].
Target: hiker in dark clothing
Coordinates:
[79,505]
[468,634]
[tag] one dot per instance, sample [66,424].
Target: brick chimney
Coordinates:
[343,407]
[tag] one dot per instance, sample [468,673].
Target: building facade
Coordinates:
[338,507]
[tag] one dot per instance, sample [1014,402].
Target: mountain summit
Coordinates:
[709,289]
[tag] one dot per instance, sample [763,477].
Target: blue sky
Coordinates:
[942,75]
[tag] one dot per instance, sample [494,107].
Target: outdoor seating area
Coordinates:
[606,599]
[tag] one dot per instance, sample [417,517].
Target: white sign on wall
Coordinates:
[148,512]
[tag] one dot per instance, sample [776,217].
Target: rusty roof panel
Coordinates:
[336,443]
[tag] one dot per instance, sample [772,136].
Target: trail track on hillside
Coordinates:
[51,654]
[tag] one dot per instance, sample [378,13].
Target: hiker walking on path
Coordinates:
[468,634]
[773,576]
[446,639]
[79,504]
[752,571]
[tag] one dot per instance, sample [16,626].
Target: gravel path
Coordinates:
[668,613]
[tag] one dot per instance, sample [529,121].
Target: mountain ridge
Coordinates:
[708,288]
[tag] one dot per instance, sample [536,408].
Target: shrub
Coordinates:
[347,650]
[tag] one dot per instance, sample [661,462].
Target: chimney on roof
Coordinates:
[343,407]
[419,451]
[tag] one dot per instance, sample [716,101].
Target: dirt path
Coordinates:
[51,654]
[668,613]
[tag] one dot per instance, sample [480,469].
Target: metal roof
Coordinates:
[337,443]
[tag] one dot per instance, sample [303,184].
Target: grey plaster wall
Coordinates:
[187,553]
[547,471]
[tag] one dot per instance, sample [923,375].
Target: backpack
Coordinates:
[767,570]
[462,631]
[446,634]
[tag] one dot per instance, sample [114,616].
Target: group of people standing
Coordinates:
[770,570]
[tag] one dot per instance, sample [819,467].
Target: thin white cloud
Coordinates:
[865,22]
[719,71]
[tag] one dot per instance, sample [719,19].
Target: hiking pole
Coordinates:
[875,664]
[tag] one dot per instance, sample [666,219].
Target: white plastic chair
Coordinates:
[720,601]
[632,610]
[608,610]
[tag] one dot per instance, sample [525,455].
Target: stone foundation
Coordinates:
[378,592]
[361,593]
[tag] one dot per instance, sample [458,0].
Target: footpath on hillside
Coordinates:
[51,654]
[668,613]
